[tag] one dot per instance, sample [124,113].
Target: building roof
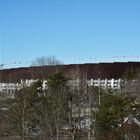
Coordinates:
[130,120]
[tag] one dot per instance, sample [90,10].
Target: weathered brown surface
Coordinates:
[101,70]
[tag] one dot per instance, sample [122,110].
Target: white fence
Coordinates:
[104,83]
[12,87]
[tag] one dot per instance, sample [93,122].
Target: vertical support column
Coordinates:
[112,83]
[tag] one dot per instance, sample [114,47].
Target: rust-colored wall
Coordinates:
[101,70]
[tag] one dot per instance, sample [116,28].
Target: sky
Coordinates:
[75,31]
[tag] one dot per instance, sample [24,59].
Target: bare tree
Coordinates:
[20,114]
[45,61]
[131,87]
[78,117]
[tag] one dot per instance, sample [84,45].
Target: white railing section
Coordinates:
[104,83]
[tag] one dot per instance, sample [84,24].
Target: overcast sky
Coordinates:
[74,31]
